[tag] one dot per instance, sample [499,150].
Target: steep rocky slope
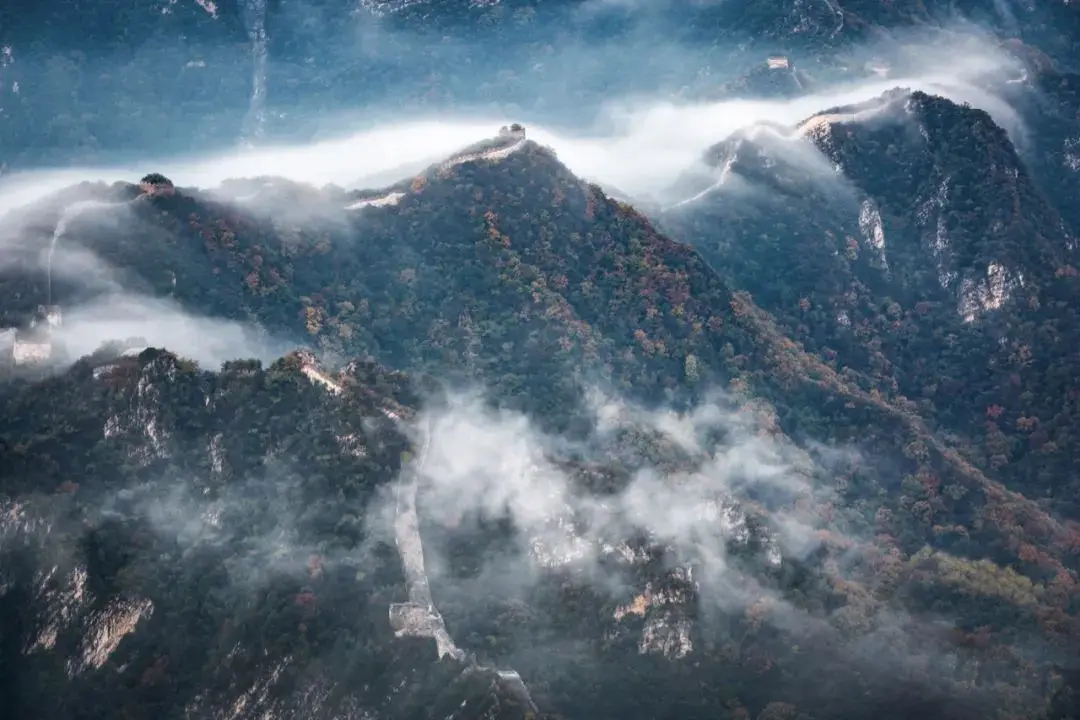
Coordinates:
[1049,102]
[907,242]
[499,267]
[798,447]
[179,542]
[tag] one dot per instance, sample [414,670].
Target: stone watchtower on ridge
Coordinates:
[515,131]
[156,184]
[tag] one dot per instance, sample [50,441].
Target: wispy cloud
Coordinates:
[208,340]
[637,143]
[486,465]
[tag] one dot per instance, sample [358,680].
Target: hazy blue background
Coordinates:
[84,82]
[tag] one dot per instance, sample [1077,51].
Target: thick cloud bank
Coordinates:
[636,144]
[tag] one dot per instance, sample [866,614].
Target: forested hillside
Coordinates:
[500,268]
[158,563]
[744,383]
[932,267]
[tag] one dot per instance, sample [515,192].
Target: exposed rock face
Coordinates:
[922,217]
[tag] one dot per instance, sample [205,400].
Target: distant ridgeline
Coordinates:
[69,75]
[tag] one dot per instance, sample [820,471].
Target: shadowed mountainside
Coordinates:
[907,243]
[499,267]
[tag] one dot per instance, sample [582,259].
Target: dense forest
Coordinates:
[501,269]
[936,271]
[171,521]
[796,443]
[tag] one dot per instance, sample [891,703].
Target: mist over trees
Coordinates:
[751,399]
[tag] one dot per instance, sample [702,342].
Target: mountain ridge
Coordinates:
[875,268]
[795,448]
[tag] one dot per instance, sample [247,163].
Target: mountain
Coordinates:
[1049,102]
[489,440]
[907,242]
[147,567]
[746,529]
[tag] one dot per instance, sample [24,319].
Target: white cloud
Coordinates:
[208,340]
[637,144]
[488,465]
